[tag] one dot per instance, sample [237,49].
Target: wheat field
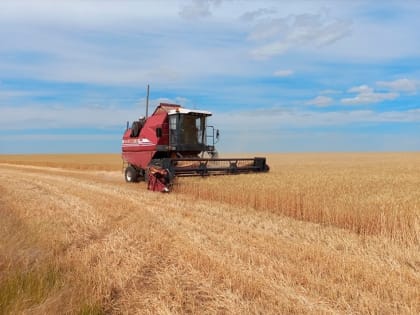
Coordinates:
[319,234]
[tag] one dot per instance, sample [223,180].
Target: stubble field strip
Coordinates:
[136,250]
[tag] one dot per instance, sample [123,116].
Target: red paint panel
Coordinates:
[139,151]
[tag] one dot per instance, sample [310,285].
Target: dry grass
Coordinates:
[322,233]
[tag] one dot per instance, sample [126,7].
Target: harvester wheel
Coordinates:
[131,175]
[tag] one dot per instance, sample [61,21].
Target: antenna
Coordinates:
[147,102]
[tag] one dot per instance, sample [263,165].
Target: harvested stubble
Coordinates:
[118,248]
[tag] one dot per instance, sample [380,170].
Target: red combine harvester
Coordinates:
[173,142]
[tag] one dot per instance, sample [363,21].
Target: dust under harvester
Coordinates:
[175,142]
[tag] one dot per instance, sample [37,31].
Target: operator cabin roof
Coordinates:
[173,109]
[188,111]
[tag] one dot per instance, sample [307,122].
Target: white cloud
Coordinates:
[135,57]
[320,101]
[255,14]
[85,13]
[198,9]
[5,95]
[267,119]
[279,35]
[360,89]
[36,117]
[270,28]
[42,117]
[270,50]
[401,85]
[283,73]
[366,95]
[379,40]
[94,115]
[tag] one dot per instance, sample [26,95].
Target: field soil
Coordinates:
[319,233]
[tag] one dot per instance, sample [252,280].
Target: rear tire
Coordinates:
[131,175]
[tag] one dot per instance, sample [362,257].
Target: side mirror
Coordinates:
[158,132]
[217,134]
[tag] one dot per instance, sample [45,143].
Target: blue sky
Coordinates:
[279,76]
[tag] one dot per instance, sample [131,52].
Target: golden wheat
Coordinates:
[366,193]
[320,233]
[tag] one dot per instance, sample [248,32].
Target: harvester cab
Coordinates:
[175,141]
[189,133]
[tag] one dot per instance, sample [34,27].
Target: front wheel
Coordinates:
[131,175]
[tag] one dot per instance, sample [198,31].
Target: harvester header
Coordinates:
[175,141]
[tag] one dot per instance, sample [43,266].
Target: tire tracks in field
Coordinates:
[59,181]
[253,259]
[123,242]
[162,218]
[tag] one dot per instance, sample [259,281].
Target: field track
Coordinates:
[118,248]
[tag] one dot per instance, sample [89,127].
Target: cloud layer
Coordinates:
[276,36]
[259,66]
[366,95]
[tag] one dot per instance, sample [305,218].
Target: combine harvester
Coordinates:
[174,142]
